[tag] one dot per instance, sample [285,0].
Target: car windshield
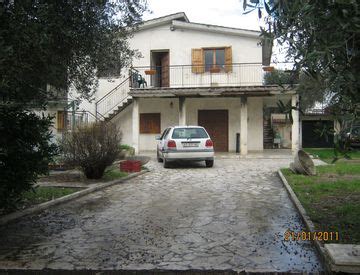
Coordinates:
[188,133]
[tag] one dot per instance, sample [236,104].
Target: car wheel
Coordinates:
[158,157]
[209,163]
[166,163]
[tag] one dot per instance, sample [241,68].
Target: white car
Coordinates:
[186,143]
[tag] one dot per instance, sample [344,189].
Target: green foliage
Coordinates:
[93,148]
[336,186]
[310,90]
[62,43]
[46,47]
[280,77]
[42,194]
[25,151]
[114,173]
[126,150]
[328,154]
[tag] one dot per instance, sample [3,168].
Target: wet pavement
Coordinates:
[229,217]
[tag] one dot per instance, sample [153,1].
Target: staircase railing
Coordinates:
[112,99]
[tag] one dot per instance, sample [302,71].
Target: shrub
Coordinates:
[126,150]
[25,151]
[92,148]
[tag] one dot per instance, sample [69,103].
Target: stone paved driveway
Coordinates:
[231,216]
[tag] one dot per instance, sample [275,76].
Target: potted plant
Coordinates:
[268,68]
[214,70]
[150,72]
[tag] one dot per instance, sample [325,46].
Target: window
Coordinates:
[150,123]
[186,133]
[164,134]
[214,58]
[205,59]
[60,120]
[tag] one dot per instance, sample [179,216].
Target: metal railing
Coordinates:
[113,99]
[317,111]
[78,118]
[177,76]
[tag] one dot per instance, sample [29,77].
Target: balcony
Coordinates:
[187,76]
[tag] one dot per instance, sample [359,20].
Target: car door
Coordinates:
[162,141]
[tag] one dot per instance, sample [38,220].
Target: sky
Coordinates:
[228,13]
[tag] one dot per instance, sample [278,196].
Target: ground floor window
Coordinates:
[150,123]
[60,120]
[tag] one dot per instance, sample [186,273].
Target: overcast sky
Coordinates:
[224,12]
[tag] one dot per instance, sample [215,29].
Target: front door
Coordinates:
[216,124]
[160,59]
[165,69]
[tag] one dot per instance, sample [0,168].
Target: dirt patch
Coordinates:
[63,176]
[66,178]
[327,219]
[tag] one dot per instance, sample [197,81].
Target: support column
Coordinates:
[135,125]
[243,126]
[182,111]
[295,128]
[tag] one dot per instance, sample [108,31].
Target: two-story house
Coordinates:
[196,74]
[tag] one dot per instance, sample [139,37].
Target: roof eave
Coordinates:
[168,19]
[216,29]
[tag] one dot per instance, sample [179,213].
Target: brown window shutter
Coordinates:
[197,61]
[150,123]
[60,120]
[228,59]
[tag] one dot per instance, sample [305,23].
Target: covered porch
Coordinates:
[233,116]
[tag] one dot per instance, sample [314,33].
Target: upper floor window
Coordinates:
[214,58]
[217,59]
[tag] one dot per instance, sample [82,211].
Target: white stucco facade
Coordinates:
[188,91]
[179,42]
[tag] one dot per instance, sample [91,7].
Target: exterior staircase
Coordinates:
[268,133]
[113,102]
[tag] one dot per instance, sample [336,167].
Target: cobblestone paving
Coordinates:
[231,216]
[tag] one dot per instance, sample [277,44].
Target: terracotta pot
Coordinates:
[150,72]
[268,68]
[215,70]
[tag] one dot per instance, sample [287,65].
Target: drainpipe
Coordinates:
[237,143]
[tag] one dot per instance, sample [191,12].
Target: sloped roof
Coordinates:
[180,21]
[179,16]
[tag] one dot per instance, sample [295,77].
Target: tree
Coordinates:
[46,47]
[322,39]
[25,151]
[309,90]
[61,43]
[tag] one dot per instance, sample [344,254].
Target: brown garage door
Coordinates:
[216,123]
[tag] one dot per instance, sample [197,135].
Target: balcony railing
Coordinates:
[179,76]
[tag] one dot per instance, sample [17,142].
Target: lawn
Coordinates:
[331,198]
[42,194]
[327,154]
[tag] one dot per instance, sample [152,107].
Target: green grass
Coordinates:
[113,173]
[331,198]
[42,194]
[327,154]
